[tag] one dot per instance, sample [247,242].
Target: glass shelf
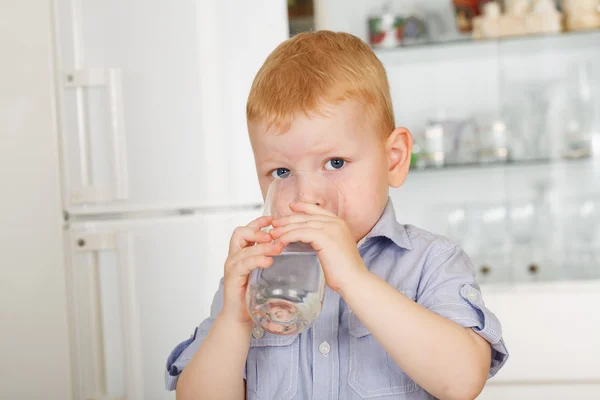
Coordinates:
[496,165]
[469,41]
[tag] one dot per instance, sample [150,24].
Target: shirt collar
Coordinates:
[388,227]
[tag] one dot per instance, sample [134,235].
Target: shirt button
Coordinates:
[258,333]
[324,348]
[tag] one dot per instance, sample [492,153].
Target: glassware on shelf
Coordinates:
[490,242]
[522,217]
[458,225]
[415,27]
[581,122]
[401,24]
[542,237]
[417,160]
[532,234]
[450,139]
[286,298]
[493,141]
[462,224]
[433,139]
[555,117]
[526,114]
[580,220]
[453,222]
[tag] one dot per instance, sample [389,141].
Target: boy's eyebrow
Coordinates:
[329,150]
[273,162]
[272,159]
[319,153]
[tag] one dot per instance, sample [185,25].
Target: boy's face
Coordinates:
[342,147]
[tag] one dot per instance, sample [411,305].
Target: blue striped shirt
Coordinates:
[338,358]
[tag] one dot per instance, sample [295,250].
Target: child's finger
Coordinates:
[300,218]
[249,256]
[310,236]
[277,232]
[245,266]
[261,222]
[309,208]
[245,236]
[263,249]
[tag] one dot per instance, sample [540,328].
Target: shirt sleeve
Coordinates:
[448,288]
[184,351]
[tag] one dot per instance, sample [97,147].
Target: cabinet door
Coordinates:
[551,330]
[562,391]
[152,100]
[137,289]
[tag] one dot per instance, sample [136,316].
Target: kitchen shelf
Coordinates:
[496,165]
[469,41]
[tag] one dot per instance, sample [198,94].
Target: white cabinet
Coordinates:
[552,331]
[152,101]
[137,289]
[559,391]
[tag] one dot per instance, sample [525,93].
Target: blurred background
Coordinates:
[125,165]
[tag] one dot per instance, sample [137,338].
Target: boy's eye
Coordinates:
[334,163]
[280,173]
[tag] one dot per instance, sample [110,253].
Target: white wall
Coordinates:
[33,319]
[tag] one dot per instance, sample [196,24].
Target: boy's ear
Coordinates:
[398,148]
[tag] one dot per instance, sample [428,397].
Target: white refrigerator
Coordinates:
[157,171]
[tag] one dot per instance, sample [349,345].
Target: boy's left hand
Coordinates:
[329,235]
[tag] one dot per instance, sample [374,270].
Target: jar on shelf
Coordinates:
[582,14]
[580,119]
[493,140]
[465,11]
[450,138]
[385,28]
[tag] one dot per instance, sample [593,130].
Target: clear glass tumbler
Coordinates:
[287,297]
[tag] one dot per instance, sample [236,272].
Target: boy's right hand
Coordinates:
[249,248]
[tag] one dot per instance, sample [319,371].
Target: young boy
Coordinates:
[403,317]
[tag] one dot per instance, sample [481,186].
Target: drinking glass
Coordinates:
[287,297]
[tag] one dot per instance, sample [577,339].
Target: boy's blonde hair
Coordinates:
[314,69]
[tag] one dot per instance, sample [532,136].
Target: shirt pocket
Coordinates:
[372,372]
[272,367]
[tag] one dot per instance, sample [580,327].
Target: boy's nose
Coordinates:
[311,195]
[311,199]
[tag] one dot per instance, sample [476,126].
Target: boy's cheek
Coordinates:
[363,214]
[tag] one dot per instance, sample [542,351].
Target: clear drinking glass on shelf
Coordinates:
[491,246]
[581,237]
[582,118]
[287,297]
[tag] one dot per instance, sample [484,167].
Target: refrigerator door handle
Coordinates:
[121,245]
[110,78]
